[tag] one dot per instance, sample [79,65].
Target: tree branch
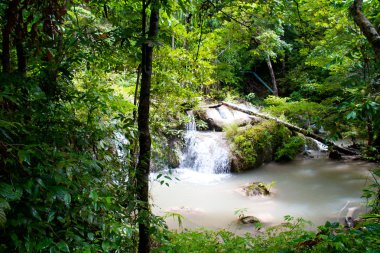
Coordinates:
[366,27]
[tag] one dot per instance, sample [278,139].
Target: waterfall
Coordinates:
[315,148]
[191,125]
[205,152]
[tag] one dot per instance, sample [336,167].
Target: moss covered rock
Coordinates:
[252,146]
[256,189]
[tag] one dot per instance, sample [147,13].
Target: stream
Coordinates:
[315,189]
[204,192]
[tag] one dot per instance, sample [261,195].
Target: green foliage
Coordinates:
[290,149]
[67,137]
[276,239]
[62,180]
[264,142]
[372,193]
[290,236]
[302,113]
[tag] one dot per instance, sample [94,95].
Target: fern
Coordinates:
[4,206]
[3,218]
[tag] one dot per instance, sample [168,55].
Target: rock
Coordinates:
[349,222]
[236,165]
[219,117]
[248,219]
[174,152]
[335,155]
[256,189]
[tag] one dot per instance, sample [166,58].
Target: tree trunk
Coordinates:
[173,41]
[136,91]
[273,77]
[294,128]
[10,14]
[21,57]
[6,56]
[142,170]
[370,132]
[366,27]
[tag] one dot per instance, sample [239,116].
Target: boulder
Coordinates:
[256,189]
[219,117]
[335,155]
[174,152]
[248,219]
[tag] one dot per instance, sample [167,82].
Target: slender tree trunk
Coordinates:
[105,10]
[142,171]
[367,28]
[136,91]
[273,77]
[6,56]
[173,41]
[21,57]
[10,14]
[370,132]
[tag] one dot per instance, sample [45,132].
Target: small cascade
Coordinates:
[191,125]
[315,148]
[206,152]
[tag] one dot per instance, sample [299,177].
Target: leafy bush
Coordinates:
[289,150]
[63,184]
[290,236]
[302,113]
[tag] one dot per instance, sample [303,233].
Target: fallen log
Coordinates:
[294,128]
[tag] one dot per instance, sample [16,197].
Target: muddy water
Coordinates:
[316,189]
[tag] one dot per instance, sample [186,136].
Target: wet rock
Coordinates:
[219,117]
[248,219]
[349,222]
[175,153]
[256,189]
[335,155]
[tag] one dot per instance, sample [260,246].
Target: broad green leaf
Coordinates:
[9,192]
[351,115]
[63,246]
[23,156]
[44,244]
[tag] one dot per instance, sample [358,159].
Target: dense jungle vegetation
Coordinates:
[90,91]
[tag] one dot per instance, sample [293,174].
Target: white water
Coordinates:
[206,152]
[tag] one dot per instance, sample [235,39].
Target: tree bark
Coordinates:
[136,91]
[173,41]
[142,170]
[273,77]
[294,128]
[10,14]
[366,27]
[370,132]
[19,37]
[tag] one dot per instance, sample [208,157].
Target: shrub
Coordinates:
[290,149]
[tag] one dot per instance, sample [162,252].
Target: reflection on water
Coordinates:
[317,190]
